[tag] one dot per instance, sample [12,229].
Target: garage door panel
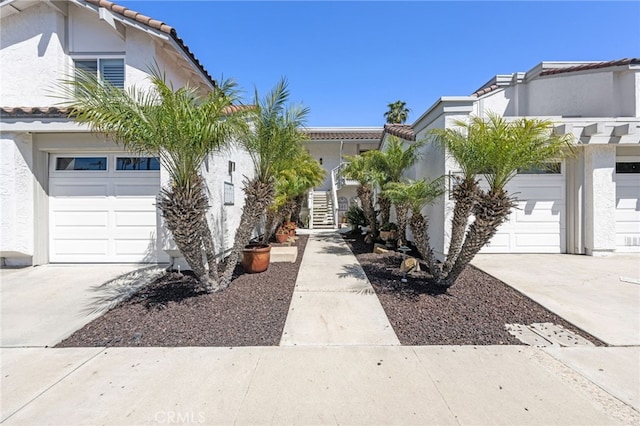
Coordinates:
[83,190]
[538,211]
[135,219]
[134,246]
[82,246]
[536,192]
[80,219]
[537,239]
[628,212]
[128,190]
[498,243]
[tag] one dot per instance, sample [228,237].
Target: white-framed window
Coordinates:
[81,163]
[110,70]
[137,164]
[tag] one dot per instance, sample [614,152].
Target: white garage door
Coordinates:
[537,224]
[627,206]
[102,208]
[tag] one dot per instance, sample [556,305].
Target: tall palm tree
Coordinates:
[360,169]
[392,163]
[179,126]
[276,138]
[496,149]
[397,113]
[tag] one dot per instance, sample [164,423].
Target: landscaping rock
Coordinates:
[410,264]
[380,249]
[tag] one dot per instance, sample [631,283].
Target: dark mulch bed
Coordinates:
[472,312]
[169,312]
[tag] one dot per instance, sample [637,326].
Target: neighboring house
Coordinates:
[328,202]
[590,203]
[68,195]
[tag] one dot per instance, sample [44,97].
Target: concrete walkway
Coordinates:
[333,302]
[600,295]
[379,385]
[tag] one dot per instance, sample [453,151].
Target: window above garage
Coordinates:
[137,163]
[109,70]
[81,163]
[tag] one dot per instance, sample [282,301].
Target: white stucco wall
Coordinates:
[330,154]
[32,56]
[571,94]
[600,199]
[88,34]
[16,198]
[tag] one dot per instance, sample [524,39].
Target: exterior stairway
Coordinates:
[322,216]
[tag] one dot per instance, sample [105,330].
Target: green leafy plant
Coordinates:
[356,217]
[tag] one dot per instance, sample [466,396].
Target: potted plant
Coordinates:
[388,231]
[256,258]
[282,234]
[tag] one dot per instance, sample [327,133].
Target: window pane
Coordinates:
[137,163]
[549,169]
[112,71]
[628,167]
[81,163]
[90,66]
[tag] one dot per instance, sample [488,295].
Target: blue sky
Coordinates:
[347,60]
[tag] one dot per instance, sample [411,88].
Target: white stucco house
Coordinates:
[590,203]
[68,195]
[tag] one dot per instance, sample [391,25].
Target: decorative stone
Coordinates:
[380,249]
[410,264]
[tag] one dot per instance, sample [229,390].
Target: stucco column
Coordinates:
[600,199]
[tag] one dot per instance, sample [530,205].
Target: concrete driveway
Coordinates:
[42,305]
[600,295]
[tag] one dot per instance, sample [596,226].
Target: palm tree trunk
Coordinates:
[385,208]
[402,210]
[268,226]
[209,251]
[184,212]
[366,198]
[295,216]
[491,210]
[464,194]
[420,228]
[259,196]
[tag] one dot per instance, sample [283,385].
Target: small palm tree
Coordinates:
[391,164]
[360,168]
[496,149]
[179,126]
[275,139]
[397,113]
[413,196]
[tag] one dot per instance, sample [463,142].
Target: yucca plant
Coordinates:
[180,126]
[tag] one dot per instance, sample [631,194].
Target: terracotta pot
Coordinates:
[282,238]
[387,235]
[256,257]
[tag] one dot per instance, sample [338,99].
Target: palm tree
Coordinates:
[361,169]
[496,149]
[392,163]
[182,128]
[292,184]
[413,196]
[397,113]
[276,138]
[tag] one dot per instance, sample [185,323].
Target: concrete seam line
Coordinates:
[244,397]
[52,385]
[435,385]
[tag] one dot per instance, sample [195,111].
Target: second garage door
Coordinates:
[537,224]
[102,208]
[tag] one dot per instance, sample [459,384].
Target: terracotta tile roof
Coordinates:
[62,112]
[326,135]
[403,131]
[34,112]
[156,25]
[592,66]
[484,90]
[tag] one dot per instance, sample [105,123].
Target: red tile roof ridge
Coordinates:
[591,66]
[404,131]
[156,25]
